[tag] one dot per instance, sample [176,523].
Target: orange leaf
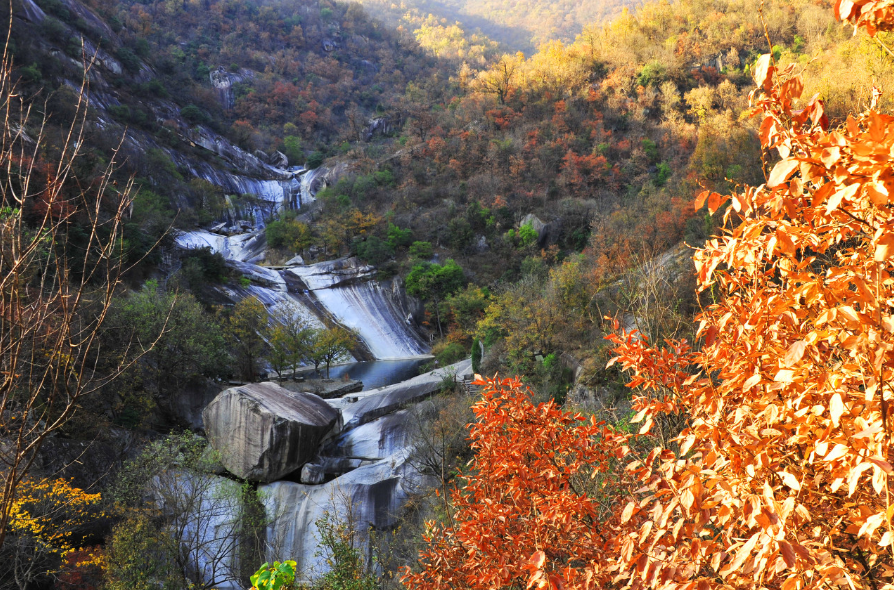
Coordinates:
[715,201]
[763,70]
[537,560]
[781,172]
[795,352]
[884,248]
[700,199]
[788,554]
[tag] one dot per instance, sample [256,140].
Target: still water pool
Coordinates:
[379,373]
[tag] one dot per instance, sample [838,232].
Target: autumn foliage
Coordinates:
[782,477]
[525,488]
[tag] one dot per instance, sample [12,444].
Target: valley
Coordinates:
[272,264]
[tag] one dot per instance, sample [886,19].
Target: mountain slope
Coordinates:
[522,25]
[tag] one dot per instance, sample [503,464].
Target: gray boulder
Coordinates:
[541,228]
[264,432]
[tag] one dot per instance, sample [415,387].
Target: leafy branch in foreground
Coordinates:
[61,253]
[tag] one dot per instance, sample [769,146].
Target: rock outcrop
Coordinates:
[264,432]
[370,497]
[541,228]
[363,476]
[366,406]
[223,81]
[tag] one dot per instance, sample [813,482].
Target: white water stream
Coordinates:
[339,290]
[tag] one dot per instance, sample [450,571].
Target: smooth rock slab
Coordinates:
[366,406]
[370,497]
[263,432]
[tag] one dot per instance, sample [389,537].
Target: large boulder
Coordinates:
[541,228]
[264,432]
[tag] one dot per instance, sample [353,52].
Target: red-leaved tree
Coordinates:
[524,489]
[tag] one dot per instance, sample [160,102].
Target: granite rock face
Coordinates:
[363,476]
[263,432]
[366,406]
[372,495]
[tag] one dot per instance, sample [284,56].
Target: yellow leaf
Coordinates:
[646,427]
[751,382]
[743,553]
[763,71]
[784,376]
[628,512]
[836,408]
[837,452]
[886,539]
[846,193]
[790,480]
[781,171]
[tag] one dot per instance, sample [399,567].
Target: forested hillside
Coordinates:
[521,26]
[248,189]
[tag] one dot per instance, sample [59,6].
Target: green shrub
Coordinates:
[664,172]
[399,238]
[448,353]
[120,112]
[375,250]
[527,235]
[56,8]
[421,250]
[128,59]
[52,28]
[291,147]
[384,178]
[650,148]
[315,160]
[339,549]
[202,72]
[290,234]
[30,74]
[193,114]
[279,576]
[203,265]
[653,73]
[476,356]
[155,87]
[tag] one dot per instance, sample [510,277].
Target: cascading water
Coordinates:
[369,458]
[362,305]
[341,291]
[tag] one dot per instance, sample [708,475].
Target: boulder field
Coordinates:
[347,458]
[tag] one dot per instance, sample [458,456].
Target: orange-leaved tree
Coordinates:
[525,488]
[782,477]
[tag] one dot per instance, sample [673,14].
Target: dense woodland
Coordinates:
[534,184]
[518,25]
